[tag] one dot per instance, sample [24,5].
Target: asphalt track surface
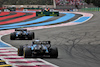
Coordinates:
[78,46]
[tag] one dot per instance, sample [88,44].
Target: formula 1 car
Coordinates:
[38,49]
[22,33]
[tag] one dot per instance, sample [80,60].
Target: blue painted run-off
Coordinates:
[59,20]
[80,20]
[28,22]
[3,45]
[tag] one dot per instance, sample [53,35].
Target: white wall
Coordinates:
[25,6]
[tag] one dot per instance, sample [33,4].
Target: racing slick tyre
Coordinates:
[30,36]
[13,36]
[20,51]
[33,35]
[53,52]
[27,53]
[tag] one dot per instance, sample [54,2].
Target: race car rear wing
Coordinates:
[20,29]
[41,42]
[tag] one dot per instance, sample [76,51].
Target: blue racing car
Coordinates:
[38,49]
[21,33]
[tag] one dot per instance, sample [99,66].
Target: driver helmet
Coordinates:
[37,40]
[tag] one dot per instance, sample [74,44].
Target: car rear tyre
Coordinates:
[53,52]
[27,53]
[33,35]
[13,36]
[30,36]
[20,51]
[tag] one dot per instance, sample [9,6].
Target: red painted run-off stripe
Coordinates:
[3,49]
[14,58]
[4,13]
[19,19]
[26,61]
[11,16]
[8,54]
[35,66]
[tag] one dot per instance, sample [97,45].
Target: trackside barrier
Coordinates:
[90,9]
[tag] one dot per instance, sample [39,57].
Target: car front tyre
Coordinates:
[12,36]
[30,36]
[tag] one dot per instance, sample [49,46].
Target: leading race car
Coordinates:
[38,49]
[21,33]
